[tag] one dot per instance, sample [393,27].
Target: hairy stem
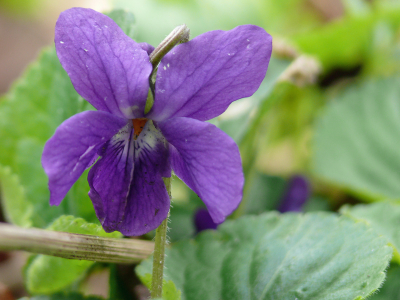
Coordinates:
[73,246]
[159,252]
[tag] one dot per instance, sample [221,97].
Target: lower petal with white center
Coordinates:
[110,178]
[148,201]
[127,189]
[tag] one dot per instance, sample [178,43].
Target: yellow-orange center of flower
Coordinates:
[138,125]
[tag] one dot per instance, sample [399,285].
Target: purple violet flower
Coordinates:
[296,194]
[203,220]
[132,151]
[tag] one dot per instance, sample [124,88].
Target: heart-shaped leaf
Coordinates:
[271,256]
[357,140]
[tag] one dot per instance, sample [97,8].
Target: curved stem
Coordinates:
[73,246]
[159,252]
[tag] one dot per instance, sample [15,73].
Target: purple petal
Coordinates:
[74,147]
[203,220]
[148,202]
[110,178]
[147,47]
[127,190]
[208,161]
[106,67]
[200,78]
[297,193]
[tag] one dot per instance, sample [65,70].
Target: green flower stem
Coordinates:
[159,252]
[73,246]
[179,35]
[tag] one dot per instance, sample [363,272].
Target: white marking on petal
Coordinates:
[130,112]
[148,139]
[88,150]
[61,42]
[76,165]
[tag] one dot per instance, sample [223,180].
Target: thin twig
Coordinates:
[73,246]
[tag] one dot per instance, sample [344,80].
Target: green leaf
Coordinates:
[18,210]
[271,256]
[357,140]
[391,288]
[63,296]
[29,114]
[335,47]
[63,271]
[383,217]
[124,19]
[170,292]
[332,44]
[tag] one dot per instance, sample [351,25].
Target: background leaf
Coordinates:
[357,140]
[125,20]
[48,274]
[14,200]
[383,217]
[271,256]
[391,288]
[29,114]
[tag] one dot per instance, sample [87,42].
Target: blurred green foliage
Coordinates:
[20,8]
